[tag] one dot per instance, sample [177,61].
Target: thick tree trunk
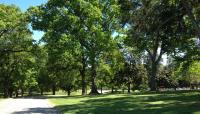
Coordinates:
[30,92]
[83,83]
[16,93]
[41,91]
[112,89]
[155,59]
[68,92]
[82,72]
[93,77]
[93,87]
[154,68]
[10,92]
[53,89]
[6,87]
[5,92]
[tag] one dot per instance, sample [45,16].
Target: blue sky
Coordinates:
[24,5]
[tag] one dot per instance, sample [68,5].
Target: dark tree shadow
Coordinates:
[31,97]
[38,110]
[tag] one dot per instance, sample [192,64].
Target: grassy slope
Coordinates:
[165,103]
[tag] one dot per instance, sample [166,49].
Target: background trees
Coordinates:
[158,28]
[83,21]
[115,44]
[15,44]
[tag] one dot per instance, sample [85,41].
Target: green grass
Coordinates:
[147,103]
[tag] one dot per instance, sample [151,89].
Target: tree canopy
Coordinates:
[99,44]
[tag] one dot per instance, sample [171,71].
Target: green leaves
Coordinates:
[16,45]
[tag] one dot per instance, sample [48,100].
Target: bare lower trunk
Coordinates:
[153,85]
[93,87]
[112,89]
[30,92]
[83,69]
[53,89]
[86,90]
[83,85]
[68,92]
[82,73]
[10,93]
[22,94]
[129,87]
[101,89]
[5,92]
[6,88]
[93,77]
[16,93]
[41,91]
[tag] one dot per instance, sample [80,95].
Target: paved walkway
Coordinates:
[26,106]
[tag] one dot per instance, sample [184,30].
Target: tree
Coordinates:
[157,28]
[109,64]
[89,24]
[15,37]
[43,78]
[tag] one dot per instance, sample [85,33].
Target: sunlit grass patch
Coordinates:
[160,103]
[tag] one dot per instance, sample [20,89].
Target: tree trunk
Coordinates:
[101,89]
[16,93]
[53,89]
[129,87]
[5,92]
[191,16]
[112,89]
[93,77]
[83,83]
[22,92]
[10,93]
[82,73]
[41,91]
[30,92]
[6,87]
[68,92]
[86,90]
[154,68]
[174,88]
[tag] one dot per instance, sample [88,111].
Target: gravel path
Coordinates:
[26,106]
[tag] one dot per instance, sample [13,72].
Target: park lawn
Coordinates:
[165,103]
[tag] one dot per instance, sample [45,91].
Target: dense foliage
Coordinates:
[100,45]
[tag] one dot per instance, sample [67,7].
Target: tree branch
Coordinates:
[14,51]
[149,52]
[191,16]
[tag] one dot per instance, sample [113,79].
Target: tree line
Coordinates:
[100,44]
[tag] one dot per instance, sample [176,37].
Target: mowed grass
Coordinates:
[146,103]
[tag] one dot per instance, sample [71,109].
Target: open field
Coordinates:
[149,103]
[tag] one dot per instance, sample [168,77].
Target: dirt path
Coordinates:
[26,106]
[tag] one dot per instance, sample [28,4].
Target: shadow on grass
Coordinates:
[76,96]
[30,97]
[180,103]
[38,111]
